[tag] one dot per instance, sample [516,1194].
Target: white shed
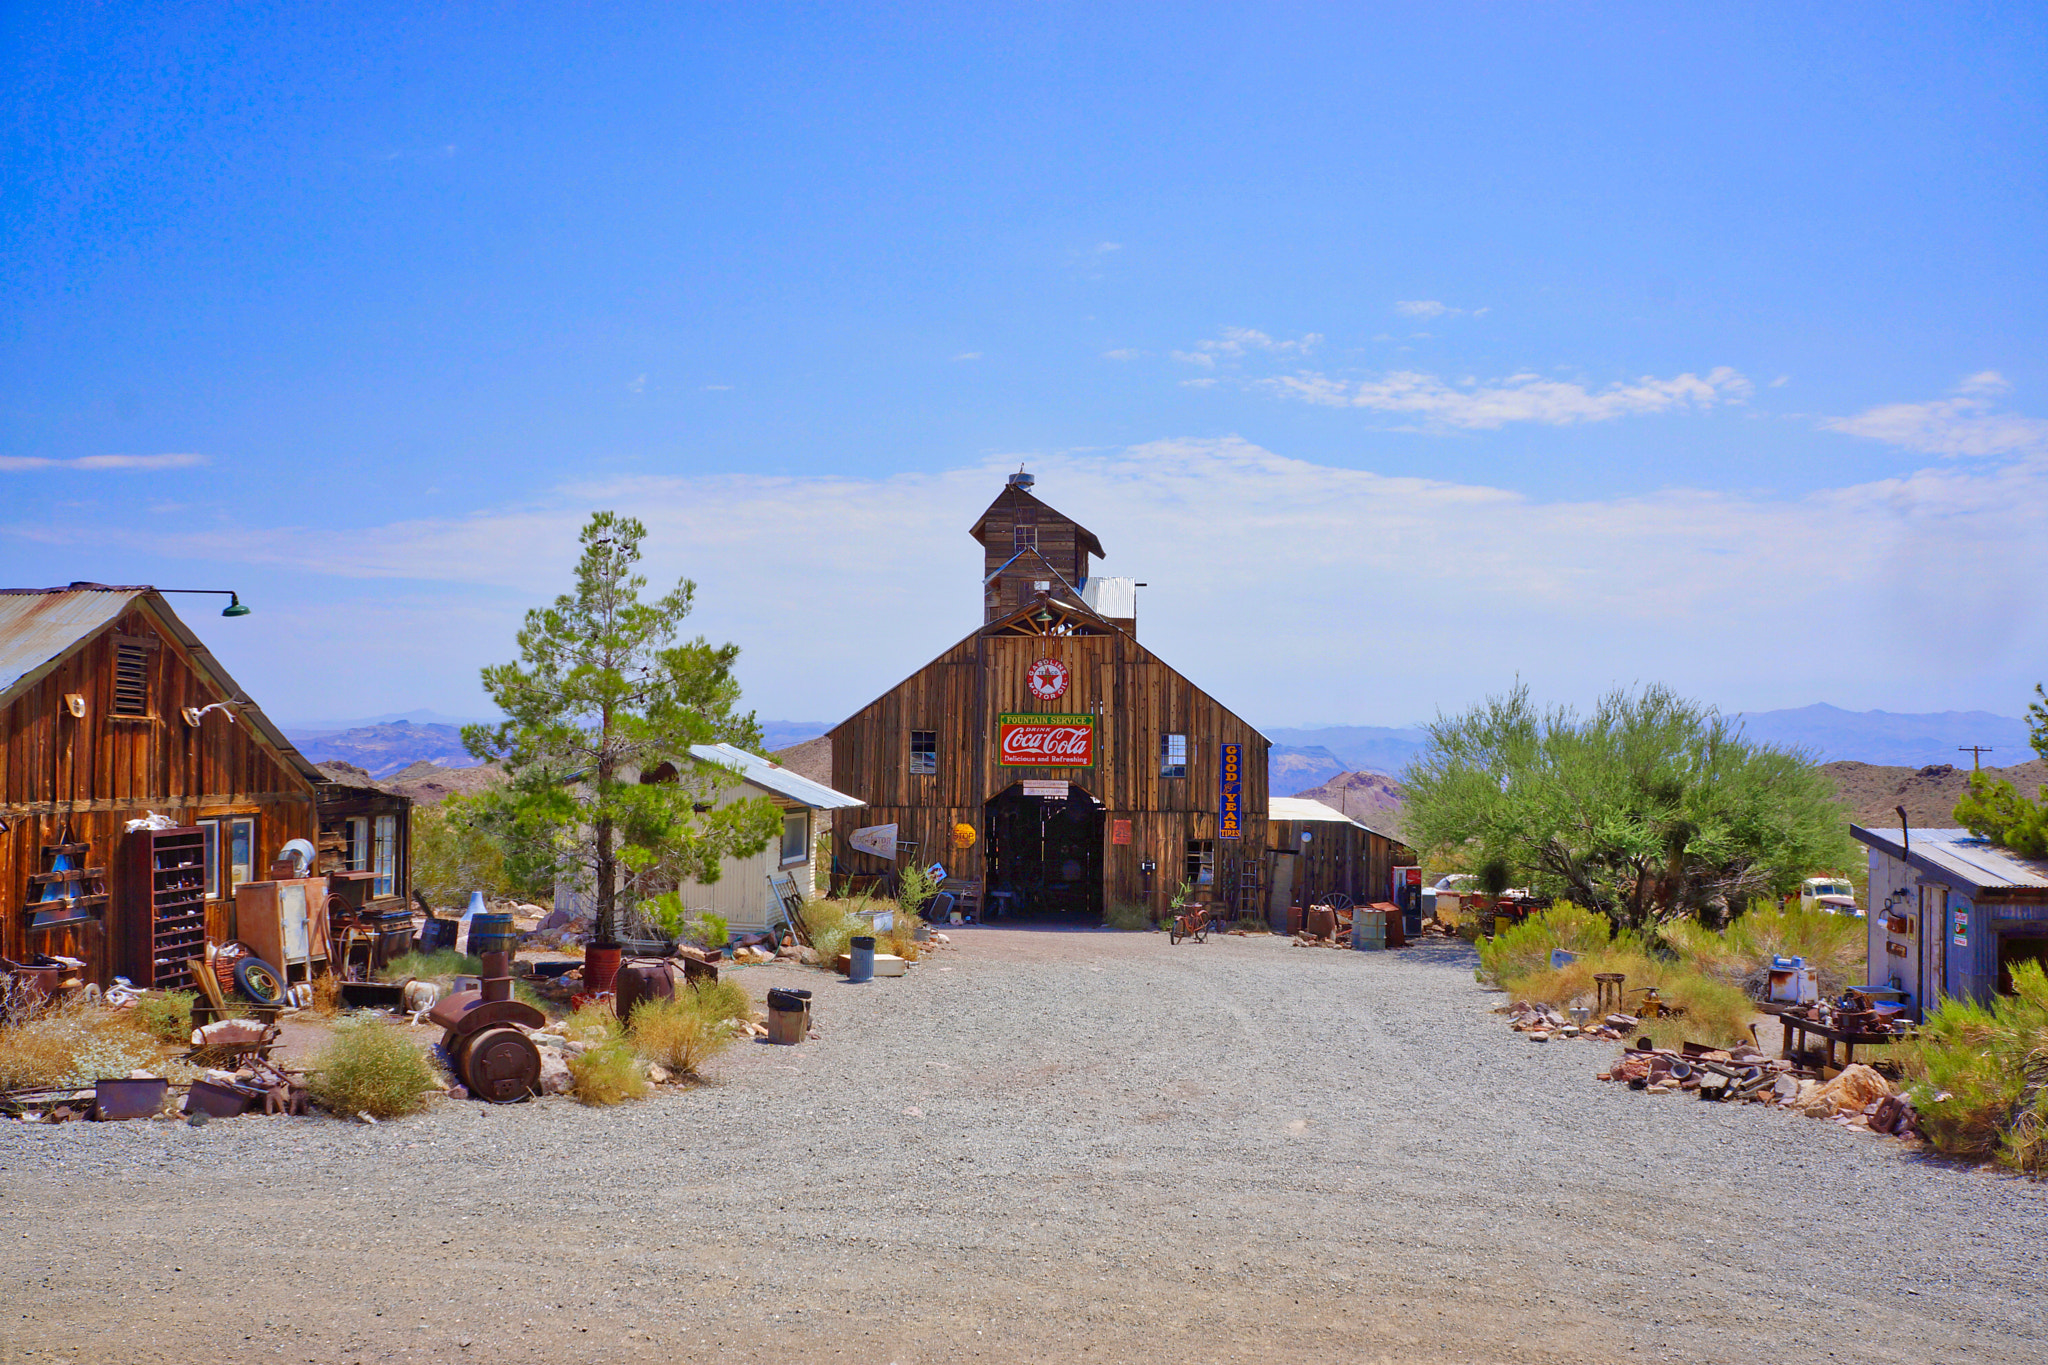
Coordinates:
[741,896]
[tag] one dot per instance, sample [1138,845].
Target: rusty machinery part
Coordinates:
[468,1012]
[500,1065]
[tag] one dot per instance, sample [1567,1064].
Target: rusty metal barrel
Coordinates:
[640,980]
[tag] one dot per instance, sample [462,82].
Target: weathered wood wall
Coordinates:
[1059,541]
[1339,857]
[96,773]
[1136,698]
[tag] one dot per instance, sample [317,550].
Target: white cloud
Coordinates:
[1963,425]
[718,388]
[1686,585]
[1206,361]
[1525,397]
[144,462]
[1425,308]
[1104,248]
[1208,382]
[1237,341]
[639,384]
[1123,353]
[968,355]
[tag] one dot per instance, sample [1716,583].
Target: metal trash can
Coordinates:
[861,951]
[789,1015]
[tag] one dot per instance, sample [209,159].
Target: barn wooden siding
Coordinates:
[97,773]
[1339,857]
[1062,544]
[1136,698]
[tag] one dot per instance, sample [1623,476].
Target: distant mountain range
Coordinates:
[1890,738]
[383,749]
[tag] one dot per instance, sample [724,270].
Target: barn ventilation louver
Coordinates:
[131,680]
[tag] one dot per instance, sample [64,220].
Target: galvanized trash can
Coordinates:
[861,951]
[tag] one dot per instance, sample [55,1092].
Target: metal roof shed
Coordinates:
[1951,913]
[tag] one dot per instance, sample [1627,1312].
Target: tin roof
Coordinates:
[1959,858]
[41,627]
[1301,808]
[772,776]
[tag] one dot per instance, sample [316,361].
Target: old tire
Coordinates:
[259,981]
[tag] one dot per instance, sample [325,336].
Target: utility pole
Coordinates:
[1976,753]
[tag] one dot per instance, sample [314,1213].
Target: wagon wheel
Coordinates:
[1337,900]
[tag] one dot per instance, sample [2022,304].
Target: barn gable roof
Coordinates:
[42,627]
[1016,497]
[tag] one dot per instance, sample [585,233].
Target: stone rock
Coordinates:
[554,1073]
[658,1073]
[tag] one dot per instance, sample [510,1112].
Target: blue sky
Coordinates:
[1567,342]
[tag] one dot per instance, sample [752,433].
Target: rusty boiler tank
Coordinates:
[483,1032]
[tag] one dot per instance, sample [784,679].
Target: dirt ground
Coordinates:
[1042,1146]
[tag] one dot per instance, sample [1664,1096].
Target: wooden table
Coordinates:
[1795,1024]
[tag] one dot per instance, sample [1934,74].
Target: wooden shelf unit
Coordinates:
[166,891]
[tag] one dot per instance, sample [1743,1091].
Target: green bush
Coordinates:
[1979,1075]
[709,931]
[609,1074]
[1524,948]
[1127,916]
[369,1067]
[725,999]
[439,965]
[166,1017]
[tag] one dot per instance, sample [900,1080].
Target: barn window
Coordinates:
[359,843]
[1201,863]
[1026,538]
[131,680]
[796,837]
[924,752]
[1173,755]
[241,855]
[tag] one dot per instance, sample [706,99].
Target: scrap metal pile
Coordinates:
[1858,1097]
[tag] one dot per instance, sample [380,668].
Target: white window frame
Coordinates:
[1173,755]
[384,855]
[802,820]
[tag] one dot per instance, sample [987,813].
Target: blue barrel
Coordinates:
[492,934]
[862,952]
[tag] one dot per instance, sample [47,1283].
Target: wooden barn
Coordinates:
[111,709]
[1317,850]
[1050,761]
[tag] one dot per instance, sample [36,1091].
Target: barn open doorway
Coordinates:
[1045,852]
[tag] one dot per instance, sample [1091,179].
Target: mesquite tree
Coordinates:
[1651,808]
[601,711]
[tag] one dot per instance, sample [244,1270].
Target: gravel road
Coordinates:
[1043,1146]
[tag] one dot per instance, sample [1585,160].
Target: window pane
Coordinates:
[211,829]
[924,751]
[796,842]
[386,855]
[241,853]
[1173,755]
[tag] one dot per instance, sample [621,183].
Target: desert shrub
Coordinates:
[1127,916]
[1741,954]
[327,994]
[914,890]
[167,1017]
[1709,1010]
[829,924]
[71,1045]
[1523,948]
[708,931]
[369,1067]
[439,965]
[1979,1075]
[608,1074]
[593,1022]
[682,1033]
[726,999]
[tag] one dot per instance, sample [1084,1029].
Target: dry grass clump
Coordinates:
[327,994]
[69,1046]
[726,999]
[594,1022]
[1524,948]
[1741,954]
[609,1074]
[685,1032]
[1979,1075]
[1706,1009]
[369,1067]
[832,925]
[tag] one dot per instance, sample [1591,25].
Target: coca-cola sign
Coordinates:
[1047,741]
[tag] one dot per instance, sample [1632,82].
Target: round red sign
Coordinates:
[1048,679]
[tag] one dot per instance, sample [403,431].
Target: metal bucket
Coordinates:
[861,955]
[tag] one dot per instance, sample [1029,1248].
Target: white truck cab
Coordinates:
[1829,895]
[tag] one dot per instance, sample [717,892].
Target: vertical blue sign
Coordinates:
[1230,813]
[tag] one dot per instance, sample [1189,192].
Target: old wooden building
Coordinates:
[112,709]
[1316,850]
[1051,758]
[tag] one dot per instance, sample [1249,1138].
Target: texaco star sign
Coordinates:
[1048,679]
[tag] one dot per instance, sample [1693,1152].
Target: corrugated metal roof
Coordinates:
[774,777]
[1301,808]
[1117,597]
[1959,858]
[39,626]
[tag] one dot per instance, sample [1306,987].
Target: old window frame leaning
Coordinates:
[924,753]
[1200,866]
[384,855]
[800,821]
[1173,755]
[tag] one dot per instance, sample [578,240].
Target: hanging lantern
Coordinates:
[963,836]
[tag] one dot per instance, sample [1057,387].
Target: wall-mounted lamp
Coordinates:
[233,608]
[75,704]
